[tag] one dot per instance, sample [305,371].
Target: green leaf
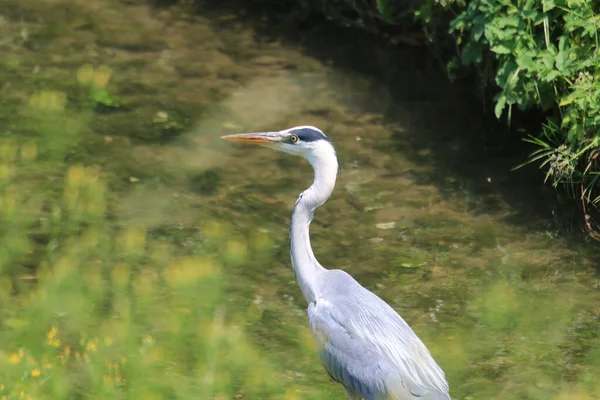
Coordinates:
[552,75]
[478,28]
[512,20]
[548,5]
[532,15]
[459,23]
[472,53]
[500,49]
[525,61]
[505,72]
[385,9]
[547,59]
[567,100]
[593,121]
[410,265]
[562,43]
[500,104]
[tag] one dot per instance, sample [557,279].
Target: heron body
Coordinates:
[363,343]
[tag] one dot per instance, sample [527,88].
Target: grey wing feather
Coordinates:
[344,358]
[368,347]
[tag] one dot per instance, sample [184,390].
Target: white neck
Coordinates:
[306,267]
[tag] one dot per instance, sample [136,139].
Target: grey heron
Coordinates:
[363,343]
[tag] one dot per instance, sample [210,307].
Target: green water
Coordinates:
[426,212]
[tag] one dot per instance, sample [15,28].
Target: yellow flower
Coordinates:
[56,343]
[90,346]
[51,334]
[35,373]
[15,359]
[108,341]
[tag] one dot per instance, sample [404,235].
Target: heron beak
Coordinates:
[264,138]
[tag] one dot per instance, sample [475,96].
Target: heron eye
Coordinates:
[294,138]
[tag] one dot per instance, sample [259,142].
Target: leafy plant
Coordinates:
[95,82]
[104,100]
[542,55]
[385,9]
[110,312]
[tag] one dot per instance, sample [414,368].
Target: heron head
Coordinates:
[305,141]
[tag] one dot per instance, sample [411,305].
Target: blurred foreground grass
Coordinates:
[105,313]
[92,310]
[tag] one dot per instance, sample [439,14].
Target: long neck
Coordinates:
[306,267]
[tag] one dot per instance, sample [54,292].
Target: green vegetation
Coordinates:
[95,94]
[545,56]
